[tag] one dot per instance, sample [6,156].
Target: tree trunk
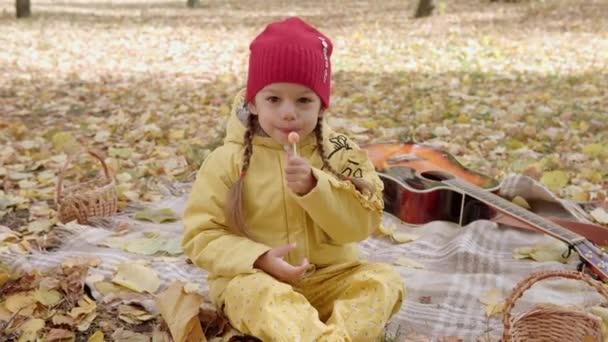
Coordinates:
[425,8]
[22,8]
[193,3]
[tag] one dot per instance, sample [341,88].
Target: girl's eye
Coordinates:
[272,99]
[304,100]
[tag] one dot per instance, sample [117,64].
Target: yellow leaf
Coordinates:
[520,201]
[144,246]
[65,142]
[386,230]
[600,215]
[5,315]
[29,330]
[180,312]
[594,150]
[401,237]
[555,180]
[493,301]
[406,262]
[156,215]
[19,301]
[137,277]
[191,288]
[47,297]
[97,337]
[554,251]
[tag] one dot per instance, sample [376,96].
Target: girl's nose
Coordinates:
[288,111]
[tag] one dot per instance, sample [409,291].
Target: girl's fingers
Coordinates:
[281,251]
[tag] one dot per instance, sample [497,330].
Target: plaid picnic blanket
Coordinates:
[460,264]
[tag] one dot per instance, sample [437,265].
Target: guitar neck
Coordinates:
[515,211]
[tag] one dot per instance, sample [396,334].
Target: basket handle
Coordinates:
[70,159]
[525,284]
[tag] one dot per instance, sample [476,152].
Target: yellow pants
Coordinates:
[349,302]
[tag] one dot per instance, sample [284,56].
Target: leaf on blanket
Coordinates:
[543,252]
[386,230]
[156,215]
[137,277]
[493,302]
[599,215]
[180,311]
[401,237]
[154,245]
[406,262]
[520,201]
[555,180]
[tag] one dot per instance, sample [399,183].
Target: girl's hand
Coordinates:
[272,263]
[298,174]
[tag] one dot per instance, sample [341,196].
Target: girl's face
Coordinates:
[283,108]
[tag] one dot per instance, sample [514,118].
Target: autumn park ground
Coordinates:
[505,87]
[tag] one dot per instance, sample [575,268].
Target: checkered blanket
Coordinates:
[460,264]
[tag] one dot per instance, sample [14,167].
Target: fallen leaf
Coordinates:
[555,251]
[18,301]
[600,215]
[58,335]
[97,337]
[156,215]
[520,201]
[121,335]
[555,180]
[406,262]
[48,298]
[493,301]
[180,311]
[137,277]
[29,330]
[401,237]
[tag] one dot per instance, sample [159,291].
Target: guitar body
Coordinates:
[424,184]
[411,174]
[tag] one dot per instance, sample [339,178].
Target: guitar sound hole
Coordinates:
[437,176]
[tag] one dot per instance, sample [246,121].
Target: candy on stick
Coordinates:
[293,139]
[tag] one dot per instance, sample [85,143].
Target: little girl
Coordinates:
[276,226]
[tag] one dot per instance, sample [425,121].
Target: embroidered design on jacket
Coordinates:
[353,171]
[339,143]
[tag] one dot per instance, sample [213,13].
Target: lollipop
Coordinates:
[293,139]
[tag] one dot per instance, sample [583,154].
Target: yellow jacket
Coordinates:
[325,224]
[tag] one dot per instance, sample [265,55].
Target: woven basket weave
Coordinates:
[92,198]
[551,324]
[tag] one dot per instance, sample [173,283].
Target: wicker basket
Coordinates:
[551,324]
[92,198]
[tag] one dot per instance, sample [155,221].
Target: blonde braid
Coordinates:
[359,183]
[234,204]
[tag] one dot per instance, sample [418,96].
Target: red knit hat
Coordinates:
[290,51]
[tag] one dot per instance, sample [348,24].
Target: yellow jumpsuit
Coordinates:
[340,298]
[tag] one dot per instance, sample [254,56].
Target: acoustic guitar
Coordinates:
[424,184]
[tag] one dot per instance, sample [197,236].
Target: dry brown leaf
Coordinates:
[180,311]
[59,335]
